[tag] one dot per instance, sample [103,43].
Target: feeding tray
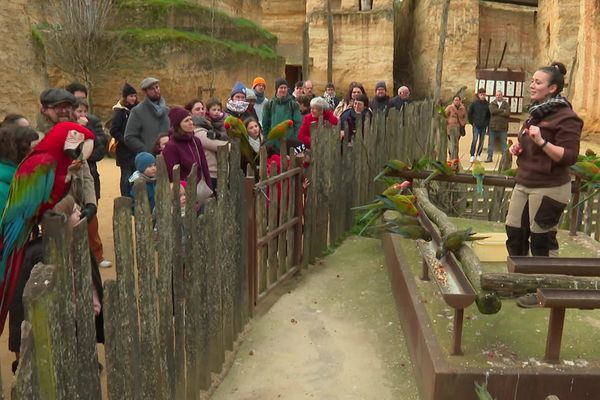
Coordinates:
[575,266]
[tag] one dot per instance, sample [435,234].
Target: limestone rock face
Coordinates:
[421,44]
[363,48]
[285,19]
[22,75]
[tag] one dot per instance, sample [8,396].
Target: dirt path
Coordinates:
[334,335]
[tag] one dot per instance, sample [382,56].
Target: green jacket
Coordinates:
[280,109]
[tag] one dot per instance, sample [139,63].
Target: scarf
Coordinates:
[254,143]
[547,107]
[260,97]
[237,106]
[160,108]
[137,174]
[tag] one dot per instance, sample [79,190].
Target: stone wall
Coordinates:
[421,44]
[363,48]
[511,25]
[285,19]
[22,75]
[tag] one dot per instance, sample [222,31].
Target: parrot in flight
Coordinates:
[236,129]
[280,130]
[453,241]
[40,181]
[392,165]
[478,173]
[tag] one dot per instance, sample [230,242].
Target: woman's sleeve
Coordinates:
[304,132]
[568,137]
[333,120]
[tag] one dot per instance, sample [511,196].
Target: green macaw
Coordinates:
[585,169]
[410,231]
[395,188]
[392,165]
[440,168]
[478,172]
[453,241]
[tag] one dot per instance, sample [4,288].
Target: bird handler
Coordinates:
[548,144]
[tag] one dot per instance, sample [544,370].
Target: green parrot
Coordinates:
[404,204]
[585,169]
[236,129]
[482,392]
[440,168]
[401,219]
[410,231]
[392,165]
[280,130]
[478,172]
[420,164]
[395,188]
[453,241]
[510,172]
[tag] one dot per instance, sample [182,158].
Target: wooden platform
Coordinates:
[439,379]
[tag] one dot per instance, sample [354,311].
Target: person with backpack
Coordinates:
[280,108]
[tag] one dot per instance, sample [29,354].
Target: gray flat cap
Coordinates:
[147,82]
[53,96]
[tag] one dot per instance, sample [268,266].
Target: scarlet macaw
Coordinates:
[40,181]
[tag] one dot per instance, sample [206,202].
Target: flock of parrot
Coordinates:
[587,168]
[236,129]
[398,199]
[40,181]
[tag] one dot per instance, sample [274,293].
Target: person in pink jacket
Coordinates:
[319,107]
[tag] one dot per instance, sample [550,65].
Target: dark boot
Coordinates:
[541,243]
[517,242]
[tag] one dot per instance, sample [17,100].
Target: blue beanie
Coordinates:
[239,87]
[143,160]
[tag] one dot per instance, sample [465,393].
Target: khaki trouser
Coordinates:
[535,213]
[453,137]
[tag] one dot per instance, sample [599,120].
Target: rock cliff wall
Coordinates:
[22,74]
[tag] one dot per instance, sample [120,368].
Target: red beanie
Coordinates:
[176,115]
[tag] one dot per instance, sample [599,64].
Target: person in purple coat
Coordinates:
[184,148]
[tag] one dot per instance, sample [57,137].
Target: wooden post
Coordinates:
[299,213]
[252,254]
[261,220]
[575,210]
[457,332]
[555,330]
[439,67]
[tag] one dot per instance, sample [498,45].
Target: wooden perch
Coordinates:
[515,284]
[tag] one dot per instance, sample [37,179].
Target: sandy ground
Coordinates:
[333,335]
[339,353]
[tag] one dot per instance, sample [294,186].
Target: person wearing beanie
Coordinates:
[148,119]
[381,100]
[259,85]
[281,107]
[124,155]
[145,165]
[237,104]
[184,148]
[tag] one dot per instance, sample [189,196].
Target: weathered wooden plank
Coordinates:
[168,220]
[216,353]
[152,383]
[292,203]
[261,220]
[38,301]
[60,307]
[26,385]
[114,314]
[191,287]
[203,372]
[226,231]
[127,348]
[282,211]
[88,378]
[274,195]
[239,205]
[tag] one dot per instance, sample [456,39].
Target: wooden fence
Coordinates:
[186,284]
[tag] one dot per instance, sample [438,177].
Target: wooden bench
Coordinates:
[558,300]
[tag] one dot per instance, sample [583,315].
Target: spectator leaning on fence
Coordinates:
[319,107]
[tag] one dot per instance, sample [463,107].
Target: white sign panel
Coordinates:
[510,88]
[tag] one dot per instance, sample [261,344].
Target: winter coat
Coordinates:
[144,125]
[279,109]
[186,151]
[210,149]
[398,103]
[125,156]
[479,114]
[7,172]
[456,117]
[561,128]
[380,103]
[309,120]
[348,122]
[99,151]
[499,116]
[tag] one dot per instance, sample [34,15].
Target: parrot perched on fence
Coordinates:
[420,164]
[404,204]
[453,241]
[410,231]
[392,165]
[236,129]
[478,172]
[280,130]
[440,168]
[510,172]
[585,169]
[40,181]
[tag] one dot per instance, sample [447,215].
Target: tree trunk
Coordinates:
[515,284]
[329,43]
[440,66]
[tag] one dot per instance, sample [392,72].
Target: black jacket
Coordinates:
[479,114]
[380,103]
[125,156]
